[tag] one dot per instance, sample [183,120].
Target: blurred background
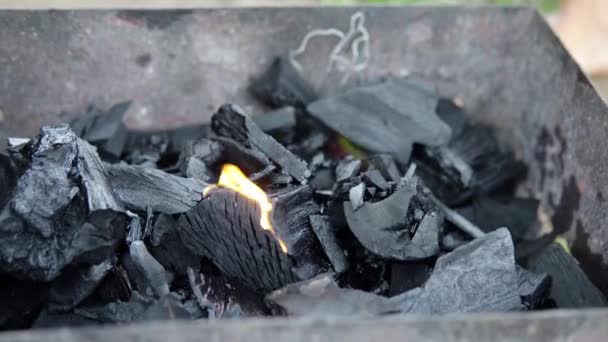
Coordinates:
[582,25]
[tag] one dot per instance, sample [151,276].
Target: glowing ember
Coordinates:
[234,179]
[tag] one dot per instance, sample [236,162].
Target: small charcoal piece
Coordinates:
[230,121]
[284,118]
[281,85]
[480,276]
[387,166]
[374,178]
[62,211]
[152,272]
[135,229]
[167,247]
[382,226]
[407,276]
[326,234]
[139,188]
[519,215]
[356,196]
[321,296]
[222,298]
[386,118]
[571,287]
[73,286]
[21,301]
[225,228]
[104,129]
[347,168]
[197,156]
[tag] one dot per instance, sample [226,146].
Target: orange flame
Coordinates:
[234,179]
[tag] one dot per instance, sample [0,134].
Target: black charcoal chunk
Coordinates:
[139,188]
[168,249]
[452,167]
[7,179]
[63,210]
[115,286]
[385,118]
[248,160]
[321,296]
[387,166]
[21,300]
[225,228]
[347,168]
[284,118]
[281,85]
[198,156]
[326,234]
[382,227]
[571,286]
[355,195]
[374,178]
[152,271]
[480,276]
[104,129]
[230,121]
[75,285]
[222,298]
[407,276]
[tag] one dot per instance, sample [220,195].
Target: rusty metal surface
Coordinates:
[571,326]
[504,64]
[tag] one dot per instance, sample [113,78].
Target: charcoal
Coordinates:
[310,144]
[452,240]
[47,319]
[117,312]
[381,226]
[323,179]
[283,118]
[519,215]
[385,118]
[73,286]
[230,121]
[407,276]
[533,288]
[168,249]
[135,229]
[115,286]
[455,218]
[321,296]
[371,191]
[225,228]
[326,234]
[21,300]
[480,276]
[16,143]
[571,286]
[197,169]
[249,160]
[453,168]
[222,298]
[7,179]
[62,211]
[171,141]
[347,168]
[355,195]
[171,307]
[281,85]
[387,166]
[374,178]
[104,129]
[197,156]
[139,187]
[152,272]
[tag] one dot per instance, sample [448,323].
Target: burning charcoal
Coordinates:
[21,301]
[321,296]
[281,85]
[135,230]
[73,286]
[225,227]
[519,215]
[276,120]
[347,168]
[140,187]
[222,298]
[168,249]
[104,129]
[62,210]
[480,276]
[571,287]
[407,276]
[385,118]
[382,226]
[374,178]
[230,121]
[249,160]
[327,237]
[387,166]
[153,274]
[355,195]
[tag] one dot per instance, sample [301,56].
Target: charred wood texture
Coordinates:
[225,227]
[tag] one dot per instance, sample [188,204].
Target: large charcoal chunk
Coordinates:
[139,188]
[230,121]
[225,227]
[281,85]
[75,285]
[387,117]
[168,249]
[480,276]
[63,210]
